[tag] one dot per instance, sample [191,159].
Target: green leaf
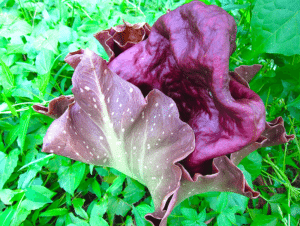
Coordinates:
[235,6]
[20,214]
[69,177]
[7,81]
[253,164]
[219,202]
[264,220]
[295,103]
[47,40]
[6,216]
[15,48]
[91,167]
[101,171]
[31,205]
[278,198]
[54,212]
[7,165]
[226,219]
[290,161]
[40,194]
[24,123]
[295,210]
[115,187]
[201,217]
[189,213]
[29,67]
[237,202]
[133,192]
[6,126]
[275,26]
[241,220]
[23,89]
[36,7]
[138,218]
[26,178]
[97,212]
[10,106]
[36,161]
[143,209]
[96,188]
[247,175]
[189,223]
[11,137]
[78,203]
[16,28]
[129,221]
[76,220]
[66,34]
[6,195]
[117,206]
[44,61]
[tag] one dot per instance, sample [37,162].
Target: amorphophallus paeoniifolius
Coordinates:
[165,110]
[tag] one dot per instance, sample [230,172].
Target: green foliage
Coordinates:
[276,27]
[40,189]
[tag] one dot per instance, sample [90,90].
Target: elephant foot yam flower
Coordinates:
[165,110]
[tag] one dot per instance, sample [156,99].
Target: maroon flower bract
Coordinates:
[180,123]
[187,57]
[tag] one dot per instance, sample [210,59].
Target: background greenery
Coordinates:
[41,189]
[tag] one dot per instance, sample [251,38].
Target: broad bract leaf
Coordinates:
[112,124]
